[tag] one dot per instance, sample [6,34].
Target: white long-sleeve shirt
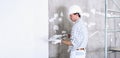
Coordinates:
[79,35]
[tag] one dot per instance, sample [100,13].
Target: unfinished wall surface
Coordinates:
[93,15]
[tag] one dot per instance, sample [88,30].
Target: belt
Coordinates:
[81,49]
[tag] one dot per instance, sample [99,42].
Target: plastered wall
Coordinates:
[93,15]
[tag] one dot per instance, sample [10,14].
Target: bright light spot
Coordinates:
[55,15]
[86,14]
[60,19]
[55,27]
[61,14]
[93,11]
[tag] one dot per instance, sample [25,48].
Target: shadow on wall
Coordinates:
[63,24]
[63,20]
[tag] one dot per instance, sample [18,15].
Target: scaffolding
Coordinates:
[107,17]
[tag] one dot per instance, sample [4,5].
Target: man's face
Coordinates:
[73,17]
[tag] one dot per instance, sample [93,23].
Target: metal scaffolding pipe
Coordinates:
[109,10]
[113,30]
[106,29]
[113,17]
[105,39]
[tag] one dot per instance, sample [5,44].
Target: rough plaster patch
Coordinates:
[60,19]
[119,24]
[99,13]
[63,32]
[52,19]
[91,24]
[86,24]
[55,27]
[55,15]
[93,34]
[61,14]
[93,11]
[86,14]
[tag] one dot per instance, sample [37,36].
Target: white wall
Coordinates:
[23,28]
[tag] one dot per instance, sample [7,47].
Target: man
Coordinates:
[79,34]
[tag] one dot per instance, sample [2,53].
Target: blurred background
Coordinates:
[21,28]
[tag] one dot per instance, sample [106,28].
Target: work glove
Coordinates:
[56,39]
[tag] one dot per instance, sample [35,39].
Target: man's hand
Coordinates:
[67,42]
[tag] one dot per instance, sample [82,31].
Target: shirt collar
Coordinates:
[79,20]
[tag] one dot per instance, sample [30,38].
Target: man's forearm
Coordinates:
[67,42]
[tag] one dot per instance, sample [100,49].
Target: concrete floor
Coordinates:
[94,18]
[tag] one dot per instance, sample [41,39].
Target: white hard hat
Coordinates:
[75,9]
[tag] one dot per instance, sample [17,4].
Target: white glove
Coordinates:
[55,37]
[56,41]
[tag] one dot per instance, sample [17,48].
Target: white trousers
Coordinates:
[77,54]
